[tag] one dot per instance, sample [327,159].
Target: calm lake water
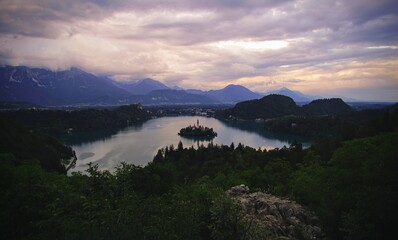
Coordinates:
[139,144]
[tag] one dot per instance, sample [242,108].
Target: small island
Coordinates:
[198,132]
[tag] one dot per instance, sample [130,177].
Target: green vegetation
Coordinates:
[270,106]
[24,145]
[132,203]
[332,106]
[358,123]
[198,132]
[59,121]
[16,105]
[275,106]
[351,184]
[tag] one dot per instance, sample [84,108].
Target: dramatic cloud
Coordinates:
[330,48]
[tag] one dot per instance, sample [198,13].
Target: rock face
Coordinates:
[282,218]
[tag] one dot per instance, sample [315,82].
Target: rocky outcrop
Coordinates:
[281,218]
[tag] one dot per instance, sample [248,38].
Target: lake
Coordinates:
[139,144]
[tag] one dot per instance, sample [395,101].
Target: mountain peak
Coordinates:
[151,81]
[232,94]
[286,89]
[75,69]
[295,95]
[144,86]
[147,80]
[234,86]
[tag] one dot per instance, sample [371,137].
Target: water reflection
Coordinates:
[258,128]
[139,144]
[90,136]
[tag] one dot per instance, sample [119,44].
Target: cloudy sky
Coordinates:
[319,47]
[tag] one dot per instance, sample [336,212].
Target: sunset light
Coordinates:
[254,45]
[210,44]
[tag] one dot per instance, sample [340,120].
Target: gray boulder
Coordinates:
[281,218]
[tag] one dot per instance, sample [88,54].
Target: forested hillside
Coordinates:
[24,145]
[363,122]
[351,185]
[61,121]
[274,106]
[270,106]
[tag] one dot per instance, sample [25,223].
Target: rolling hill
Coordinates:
[274,105]
[297,96]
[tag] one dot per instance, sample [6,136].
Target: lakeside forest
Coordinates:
[348,177]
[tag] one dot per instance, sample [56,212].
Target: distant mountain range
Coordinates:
[77,87]
[143,87]
[295,95]
[171,97]
[229,94]
[44,87]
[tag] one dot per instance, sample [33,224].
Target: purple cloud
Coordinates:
[209,43]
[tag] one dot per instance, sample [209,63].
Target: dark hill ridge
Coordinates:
[331,106]
[25,145]
[274,105]
[270,106]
